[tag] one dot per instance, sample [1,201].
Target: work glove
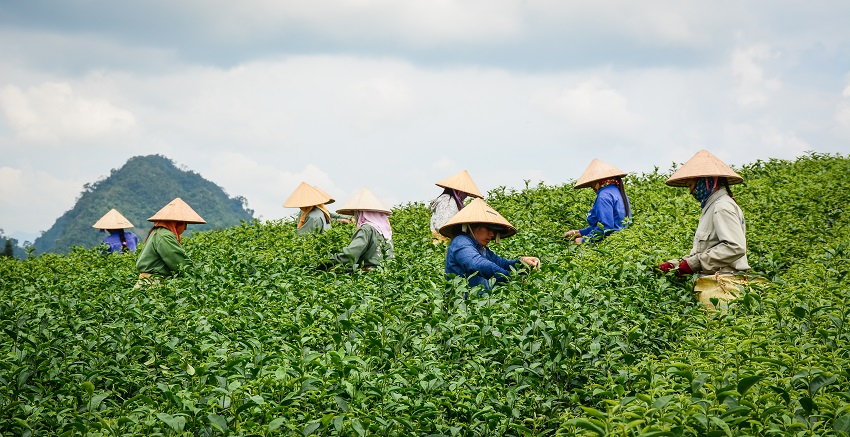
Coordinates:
[684,269]
[666,267]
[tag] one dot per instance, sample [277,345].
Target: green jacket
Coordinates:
[162,254]
[313,223]
[367,248]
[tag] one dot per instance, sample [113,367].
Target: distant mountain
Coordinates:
[138,190]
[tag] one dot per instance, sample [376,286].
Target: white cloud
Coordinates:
[417,22]
[755,87]
[270,186]
[751,141]
[395,96]
[591,105]
[381,100]
[52,113]
[36,197]
[444,164]
[842,117]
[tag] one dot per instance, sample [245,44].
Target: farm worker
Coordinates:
[611,210]
[162,253]
[720,245]
[118,239]
[471,230]
[372,242]
[314,217]
[446,205]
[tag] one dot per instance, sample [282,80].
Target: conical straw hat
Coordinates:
[703,164]
[363,200]
[113,220]
[597,170]
[330,199]
[478,211]
[307,195]
[177,210]
[461,182]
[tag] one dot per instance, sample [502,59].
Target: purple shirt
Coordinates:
[114,241]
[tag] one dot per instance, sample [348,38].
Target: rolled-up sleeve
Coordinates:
[352,253]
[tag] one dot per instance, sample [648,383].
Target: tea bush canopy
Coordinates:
[253,341]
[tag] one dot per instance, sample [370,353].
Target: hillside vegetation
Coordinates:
[138,190]
[17,251]
[253,341]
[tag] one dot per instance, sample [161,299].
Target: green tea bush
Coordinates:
[252,340]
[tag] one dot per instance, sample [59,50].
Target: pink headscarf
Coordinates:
[378,220]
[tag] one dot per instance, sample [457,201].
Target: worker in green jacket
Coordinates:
[314,217]
[372,242]
[163,254]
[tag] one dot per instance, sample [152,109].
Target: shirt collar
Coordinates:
[721,191]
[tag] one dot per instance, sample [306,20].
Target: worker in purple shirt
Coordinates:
[118,239]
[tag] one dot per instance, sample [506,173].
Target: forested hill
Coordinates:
[138,190]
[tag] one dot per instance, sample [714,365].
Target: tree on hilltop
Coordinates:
[9,250]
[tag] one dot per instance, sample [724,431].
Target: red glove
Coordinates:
[684,269]
[666,267]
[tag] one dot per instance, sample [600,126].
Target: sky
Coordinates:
[260,95]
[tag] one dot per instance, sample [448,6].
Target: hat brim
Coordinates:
[456,229]
[686,181]
[703,165]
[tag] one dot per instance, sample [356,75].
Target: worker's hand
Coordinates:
[530,261]
[572,234]
[666,267]
[684,269]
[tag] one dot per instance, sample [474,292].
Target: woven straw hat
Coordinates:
[461,182]
[177,210]
[307,195]
[330,199]
[363,200]
[113,220]
[596,171]
[703,164]
[478,211]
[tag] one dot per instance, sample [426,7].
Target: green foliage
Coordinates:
[10,247]
[253,341]
[138,190]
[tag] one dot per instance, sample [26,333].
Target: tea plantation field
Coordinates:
[253,341]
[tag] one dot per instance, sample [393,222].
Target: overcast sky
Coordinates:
[394,95]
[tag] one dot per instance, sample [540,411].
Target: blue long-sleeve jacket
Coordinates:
[609,210]
[466,257]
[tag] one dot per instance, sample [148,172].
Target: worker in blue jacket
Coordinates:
[611,211]
[468,256]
